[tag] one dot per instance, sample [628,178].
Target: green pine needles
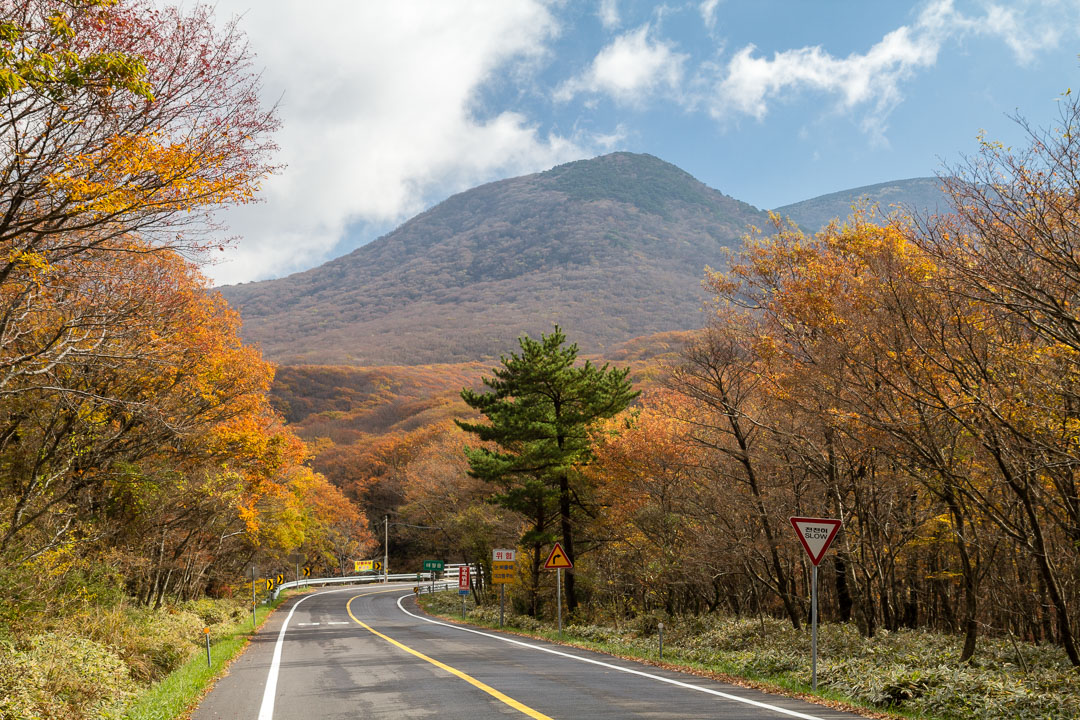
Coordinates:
[540,408]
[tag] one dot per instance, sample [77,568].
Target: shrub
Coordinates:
[62,677]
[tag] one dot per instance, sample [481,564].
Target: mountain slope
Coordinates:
[610,248]
[922,195]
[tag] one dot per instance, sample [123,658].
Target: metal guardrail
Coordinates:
[349,580]
[437,587]
[421,580]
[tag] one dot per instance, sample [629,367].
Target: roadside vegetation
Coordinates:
[907,673]
[143,470]
[84,649]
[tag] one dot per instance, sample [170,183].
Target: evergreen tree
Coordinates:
[539,410]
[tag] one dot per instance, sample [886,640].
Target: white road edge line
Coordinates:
[266,710]
[669,681]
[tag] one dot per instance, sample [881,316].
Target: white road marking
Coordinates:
[339,623]
[306,624]
[266,710]
[669,681]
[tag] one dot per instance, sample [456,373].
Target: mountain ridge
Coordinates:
[611,248]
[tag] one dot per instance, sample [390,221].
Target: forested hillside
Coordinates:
[611,248]
[368,426]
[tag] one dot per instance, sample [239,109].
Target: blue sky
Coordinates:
[390,107]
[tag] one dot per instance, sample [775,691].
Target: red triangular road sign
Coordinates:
[816,535]
[557,560]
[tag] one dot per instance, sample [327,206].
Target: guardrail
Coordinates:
[422,580]
[438,586]
[350,580]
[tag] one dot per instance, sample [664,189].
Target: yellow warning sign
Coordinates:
[502,572]
[557,560]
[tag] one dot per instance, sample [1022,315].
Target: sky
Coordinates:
[389,107]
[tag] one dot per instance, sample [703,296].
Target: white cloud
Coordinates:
[1024,36]
[609,14]
[379,115]
[630,70]
[708,12]
[749,84]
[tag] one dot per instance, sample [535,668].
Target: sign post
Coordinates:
[503,563]
[296,558]
[433,566]
[252,597]
[558,561]
[463,586]
[816,535]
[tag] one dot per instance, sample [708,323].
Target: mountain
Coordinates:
[610,248]
[923,195]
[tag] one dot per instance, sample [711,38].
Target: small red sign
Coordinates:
[463,578]
[816,535]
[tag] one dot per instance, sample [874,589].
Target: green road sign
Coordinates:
[433,565]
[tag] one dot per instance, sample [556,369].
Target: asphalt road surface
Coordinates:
[368,652]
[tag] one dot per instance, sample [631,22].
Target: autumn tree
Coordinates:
[720,373]
[1013,246]
[540,408]
[124,128]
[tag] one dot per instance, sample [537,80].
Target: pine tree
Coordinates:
[539,410]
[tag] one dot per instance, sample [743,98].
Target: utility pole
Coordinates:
[386,549]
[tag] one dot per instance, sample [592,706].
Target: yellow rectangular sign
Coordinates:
[363,565]
[502,573]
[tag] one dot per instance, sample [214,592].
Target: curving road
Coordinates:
[369,653]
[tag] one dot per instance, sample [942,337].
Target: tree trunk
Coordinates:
[568,540]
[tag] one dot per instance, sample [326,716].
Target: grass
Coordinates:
[176,694]
[908,673]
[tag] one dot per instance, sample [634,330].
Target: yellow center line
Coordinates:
[453,671]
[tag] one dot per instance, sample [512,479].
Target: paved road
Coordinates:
[369,653]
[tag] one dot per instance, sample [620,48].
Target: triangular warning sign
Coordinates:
[816,535]
[557,559]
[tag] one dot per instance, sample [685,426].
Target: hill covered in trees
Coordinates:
[611,248]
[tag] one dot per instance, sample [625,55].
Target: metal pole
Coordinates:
[558,597]
[206,632]
[297,573]
[386,549]
[660,627]
[813,631]
[462,606]
[502,603]
[252,597]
